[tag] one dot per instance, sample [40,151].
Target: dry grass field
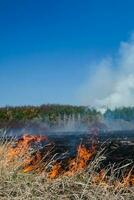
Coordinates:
[85,184]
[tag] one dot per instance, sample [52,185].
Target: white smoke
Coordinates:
[112,82]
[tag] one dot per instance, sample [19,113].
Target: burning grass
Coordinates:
[28,170]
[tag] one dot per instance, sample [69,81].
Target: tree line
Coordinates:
[47,113]
[51,113]
[125,113]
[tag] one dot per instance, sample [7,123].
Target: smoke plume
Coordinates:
[111,84]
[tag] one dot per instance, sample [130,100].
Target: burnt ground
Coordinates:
[118,145]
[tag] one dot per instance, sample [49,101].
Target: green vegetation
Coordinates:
[52,114]
[126,113]
[46,113]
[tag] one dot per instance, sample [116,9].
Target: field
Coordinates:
[84,181]
[32,186]
[76,156]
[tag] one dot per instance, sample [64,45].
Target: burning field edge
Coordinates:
[31,169]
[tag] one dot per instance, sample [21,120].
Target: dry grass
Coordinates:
[15,185]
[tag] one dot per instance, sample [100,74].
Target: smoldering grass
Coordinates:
[33,186]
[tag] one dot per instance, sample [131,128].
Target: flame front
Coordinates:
[20,157]
[81,160]
[55,171]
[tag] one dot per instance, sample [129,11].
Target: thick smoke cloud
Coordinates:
[112,82]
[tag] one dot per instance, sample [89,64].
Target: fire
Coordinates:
[20,156]
[33,163]
[79,163]
[55,171]
[75,165]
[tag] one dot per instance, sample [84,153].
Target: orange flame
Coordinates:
[55,171]
[20,156]
[77,164]
[81,161]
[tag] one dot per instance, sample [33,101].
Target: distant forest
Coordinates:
[52,114]
[125,113]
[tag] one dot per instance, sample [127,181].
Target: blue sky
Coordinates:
[46,46]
